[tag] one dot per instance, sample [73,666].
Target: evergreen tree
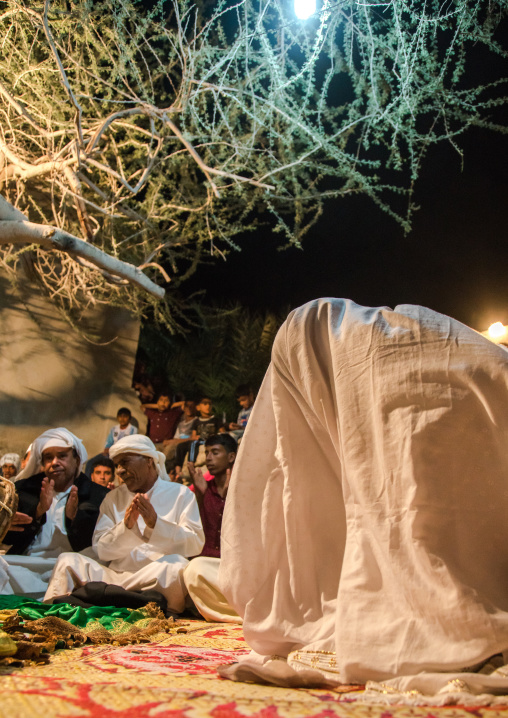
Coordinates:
[232,347]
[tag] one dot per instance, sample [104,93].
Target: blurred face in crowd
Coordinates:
[102,475]
[137,472]
[189,409]
[246,400]
[163,403]
[61,465]
[8,471]
[205,407]
[218,459]
[123,420]
[24,460]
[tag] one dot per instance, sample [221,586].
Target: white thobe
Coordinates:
[141,557]
[29,574]
[365,534]
[202,581]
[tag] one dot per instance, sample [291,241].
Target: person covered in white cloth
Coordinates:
[365,535]
[146,529]
[57,511]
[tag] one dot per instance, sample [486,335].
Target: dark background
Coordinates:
[454,260]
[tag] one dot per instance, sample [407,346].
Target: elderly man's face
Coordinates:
[8,471]
[137,472]
[61,465]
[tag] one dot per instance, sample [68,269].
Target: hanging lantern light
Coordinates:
[497,333]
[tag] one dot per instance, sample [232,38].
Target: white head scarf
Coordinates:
[13,459]
[53,437]
[139,444]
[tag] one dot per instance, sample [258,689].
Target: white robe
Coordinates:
[29,574]
[201,578]
[365,536]
[138,558]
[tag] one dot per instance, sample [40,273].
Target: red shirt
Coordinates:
[162,424]
[211,508]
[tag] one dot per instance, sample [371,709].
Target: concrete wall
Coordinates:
[50,375]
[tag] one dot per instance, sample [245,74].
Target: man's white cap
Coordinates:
[139,444]
[56,444]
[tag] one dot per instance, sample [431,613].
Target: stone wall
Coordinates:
[51,375]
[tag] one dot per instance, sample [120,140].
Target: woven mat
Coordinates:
[174,676]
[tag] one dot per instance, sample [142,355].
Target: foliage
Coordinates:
[232,347]
[160,131]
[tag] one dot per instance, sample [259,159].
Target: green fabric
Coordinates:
[8,603]
[105,615]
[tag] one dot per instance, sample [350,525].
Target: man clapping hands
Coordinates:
[146,529]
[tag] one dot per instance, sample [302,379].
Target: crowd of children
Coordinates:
[177,426]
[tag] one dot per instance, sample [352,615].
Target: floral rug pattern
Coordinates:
[174,676]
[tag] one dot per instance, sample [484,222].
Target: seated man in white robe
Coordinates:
[57,511]
[365,535]
[146,529]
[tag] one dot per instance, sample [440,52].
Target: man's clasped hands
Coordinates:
[140,506]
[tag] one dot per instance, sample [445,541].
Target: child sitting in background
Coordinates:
[245,398]
[207,424]
[123,428]
[185,430]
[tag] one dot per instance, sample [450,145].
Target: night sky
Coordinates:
[455,260]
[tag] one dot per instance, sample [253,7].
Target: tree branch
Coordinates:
[23,232]
[206,169]
[65,80]
[21,110]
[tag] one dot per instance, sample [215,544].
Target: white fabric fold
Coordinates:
[365,530]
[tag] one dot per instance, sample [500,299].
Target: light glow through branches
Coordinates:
[304,8]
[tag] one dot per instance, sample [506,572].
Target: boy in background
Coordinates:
[185,431]
[201,576]
[207,425]
[123,428]
[163,418]
[103,472]
[220,455]
[245,397]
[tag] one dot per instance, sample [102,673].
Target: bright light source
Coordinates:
[304,8]
[496,331]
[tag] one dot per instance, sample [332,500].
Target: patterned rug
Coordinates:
[174,676]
